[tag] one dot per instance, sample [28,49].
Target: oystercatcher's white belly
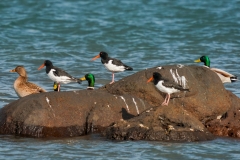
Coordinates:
[164,89]
[113,68]
[58,79]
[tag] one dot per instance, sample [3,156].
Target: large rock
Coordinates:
[185,117]
[207,97]
[66,114]
[129,109]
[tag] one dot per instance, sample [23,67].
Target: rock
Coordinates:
[207,97]
[227,124]
[206,100]
[166,123]
[67,114]
[119,106]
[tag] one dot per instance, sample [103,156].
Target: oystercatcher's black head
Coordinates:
[155,78]
[46,63]
[102,54]
[157,75]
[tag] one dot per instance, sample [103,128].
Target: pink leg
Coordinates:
[112,78]
[59,87]
[168,99]
[165,100]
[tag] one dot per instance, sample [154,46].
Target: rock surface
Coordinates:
[185,117]
[67,114]
[166,123]
[227,124]
[131,109]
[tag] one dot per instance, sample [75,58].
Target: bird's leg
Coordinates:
[168,98]
[59,87]
[165,100]
[112,78]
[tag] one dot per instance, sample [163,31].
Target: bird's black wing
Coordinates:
[120,63]
[172,84]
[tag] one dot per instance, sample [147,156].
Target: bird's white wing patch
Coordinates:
[62,79]
[179,79]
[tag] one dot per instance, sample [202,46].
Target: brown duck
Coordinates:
[21,85]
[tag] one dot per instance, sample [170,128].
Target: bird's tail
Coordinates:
[79,81]
[233,79]
[128,68]
[186,90]
[76,80]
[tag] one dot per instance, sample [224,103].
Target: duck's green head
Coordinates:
[91,80]
[205,60]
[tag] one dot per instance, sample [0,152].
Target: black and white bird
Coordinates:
[112,64]
[58,75]
[165,86]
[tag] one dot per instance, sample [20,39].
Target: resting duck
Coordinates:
[223,75]
[111,64]
[21,86]
[88,77]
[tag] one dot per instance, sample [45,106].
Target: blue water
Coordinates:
[143,34]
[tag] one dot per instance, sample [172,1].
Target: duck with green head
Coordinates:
[223,75]
[91,80]
[88,77]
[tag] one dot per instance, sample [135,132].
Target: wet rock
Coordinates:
[67,114]
[207,97]
[119,106]
[206,100]
[166,123]
[227,124]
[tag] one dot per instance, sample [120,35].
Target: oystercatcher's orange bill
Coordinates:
[41,66]
[150,79]
[94,58]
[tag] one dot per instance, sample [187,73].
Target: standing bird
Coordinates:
[165,86]
[223,75]
[112,64]
[58,75]
[21,85]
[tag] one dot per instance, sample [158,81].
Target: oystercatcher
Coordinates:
[58,75]
[165,86]
[21,85]
[112,64]
[223,75]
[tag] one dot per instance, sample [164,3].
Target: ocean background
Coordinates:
[143,34]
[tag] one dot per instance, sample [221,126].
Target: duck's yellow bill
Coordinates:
[198,60]
[83,79]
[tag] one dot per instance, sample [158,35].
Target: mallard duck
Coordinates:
[91,80]
[223,75]
[89,77]
[165,86]
[21,85]
[58,75]
[111,64]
